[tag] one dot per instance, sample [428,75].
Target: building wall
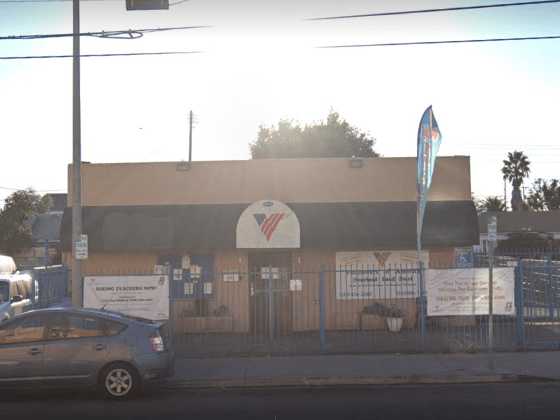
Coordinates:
[116,264]
[287,180]
[306,265]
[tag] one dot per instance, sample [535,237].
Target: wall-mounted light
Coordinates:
[356,162]
[183,166]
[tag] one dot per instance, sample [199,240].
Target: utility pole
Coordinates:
[76,158]
[190,135]
[79,241]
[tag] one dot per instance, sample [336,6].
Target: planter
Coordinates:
[394,324]
[371,322]
[210,324]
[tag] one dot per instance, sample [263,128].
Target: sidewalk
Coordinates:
[329,370]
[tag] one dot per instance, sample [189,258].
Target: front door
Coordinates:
[270,300]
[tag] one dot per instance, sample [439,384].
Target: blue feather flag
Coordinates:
[429,140]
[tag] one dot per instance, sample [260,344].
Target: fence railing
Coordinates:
[364,309]
[50,286]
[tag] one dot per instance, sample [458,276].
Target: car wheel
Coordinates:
[119,381]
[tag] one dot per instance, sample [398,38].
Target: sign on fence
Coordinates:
[465,291]
[143,296]
[377,274]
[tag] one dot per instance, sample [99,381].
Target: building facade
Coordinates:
[231,230]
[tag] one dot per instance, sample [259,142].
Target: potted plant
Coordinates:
[394,318]
[393,315]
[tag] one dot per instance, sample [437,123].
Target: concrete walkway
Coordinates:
[324,370]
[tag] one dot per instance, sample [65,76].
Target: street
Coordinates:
[488,401]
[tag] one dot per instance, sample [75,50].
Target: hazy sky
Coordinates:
[259,66]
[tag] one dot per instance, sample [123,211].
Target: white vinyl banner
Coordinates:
[142,296]
[378,274]
[465,291]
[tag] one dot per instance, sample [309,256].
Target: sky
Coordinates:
[259,64]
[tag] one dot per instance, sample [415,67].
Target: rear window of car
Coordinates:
[113,327]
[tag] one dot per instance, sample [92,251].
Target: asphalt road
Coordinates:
[488,401]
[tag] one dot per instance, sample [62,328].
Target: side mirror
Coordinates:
[16,298]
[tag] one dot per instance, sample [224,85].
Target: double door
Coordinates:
[270,299]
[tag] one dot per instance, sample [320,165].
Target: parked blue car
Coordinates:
[116,353]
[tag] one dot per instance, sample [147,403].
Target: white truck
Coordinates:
[16,289]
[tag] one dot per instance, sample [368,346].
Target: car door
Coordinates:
[76,347]
[22,349]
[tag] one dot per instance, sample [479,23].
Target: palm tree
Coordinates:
[492,203]
[515,170]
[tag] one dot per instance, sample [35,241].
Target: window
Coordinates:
[75,326]
[13,289]
[26,330]
[4,292]
[113,328]
[22,290]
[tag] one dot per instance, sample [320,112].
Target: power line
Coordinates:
[21,189]
[50,1]
[436,10]
[126,33]
[31,57]
[390,44]
[455,41]
[60,1]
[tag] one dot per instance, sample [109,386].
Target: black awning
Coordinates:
[337,226]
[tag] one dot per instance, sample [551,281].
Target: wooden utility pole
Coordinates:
[76,159]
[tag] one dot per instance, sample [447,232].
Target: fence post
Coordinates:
[46,259]
[171,333]
[519,304]
[270,303]
[422,300]
[550,289]
[322,312]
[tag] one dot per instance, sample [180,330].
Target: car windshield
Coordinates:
[4,292]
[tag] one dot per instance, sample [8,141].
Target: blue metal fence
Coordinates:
[50,286]
[346,309]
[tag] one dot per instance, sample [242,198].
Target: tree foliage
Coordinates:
[331,138]
[515,169]
[544,195]
[16,219]
[492,203]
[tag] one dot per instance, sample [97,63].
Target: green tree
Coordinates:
[544,195]
[331,138]
[16,218]
[492,203]
[515,169]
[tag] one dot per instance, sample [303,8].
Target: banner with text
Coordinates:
[465,291]
[142,296]
[378,274]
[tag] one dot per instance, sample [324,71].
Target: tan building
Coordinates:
[232,229]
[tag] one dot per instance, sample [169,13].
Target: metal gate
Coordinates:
[539,292]
[270,301]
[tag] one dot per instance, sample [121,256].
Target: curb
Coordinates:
[321,382]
